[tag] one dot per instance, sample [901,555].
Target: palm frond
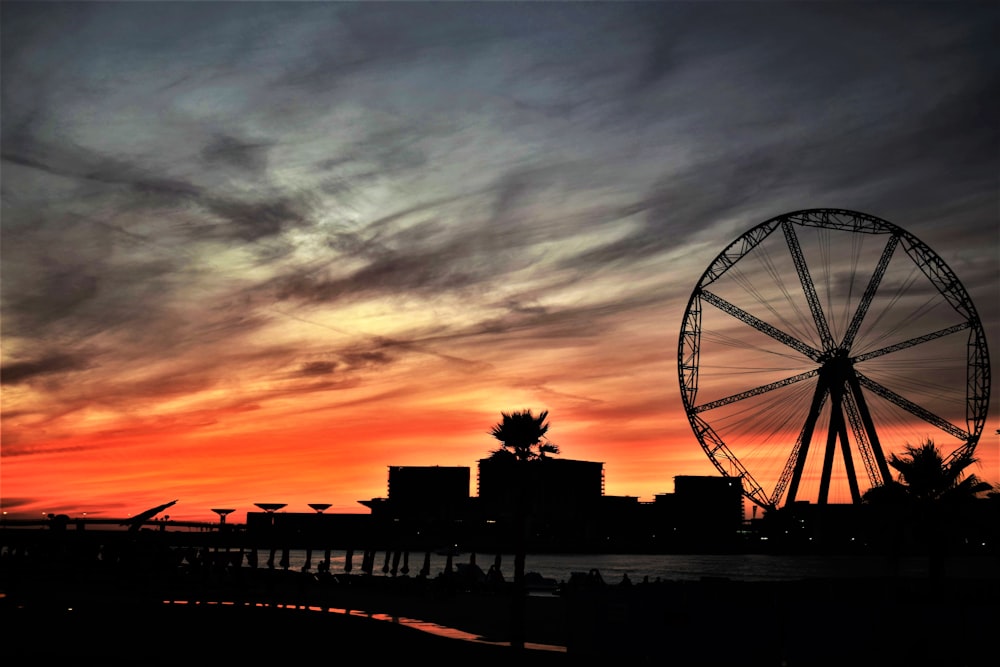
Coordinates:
[521,432]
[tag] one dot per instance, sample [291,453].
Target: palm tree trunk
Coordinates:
[517,610]
[936,543]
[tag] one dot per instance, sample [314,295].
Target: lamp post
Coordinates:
[319,507]
[222,514]
[222,525]
[271,508]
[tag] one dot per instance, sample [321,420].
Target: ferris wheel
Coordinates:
[819,343]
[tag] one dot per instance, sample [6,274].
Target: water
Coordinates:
[672,567]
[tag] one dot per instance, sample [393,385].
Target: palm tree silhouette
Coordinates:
[926,477]
[522,441]
[521,435]
[931,492]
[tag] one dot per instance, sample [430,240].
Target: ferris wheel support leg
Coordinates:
[869,424]
[845,448]
[819,397]
[831,447]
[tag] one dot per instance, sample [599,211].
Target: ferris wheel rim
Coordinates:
[936,270]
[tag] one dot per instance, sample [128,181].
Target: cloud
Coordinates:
[86,167]
[229,152]
[253,221]
[25,371]
[317,368]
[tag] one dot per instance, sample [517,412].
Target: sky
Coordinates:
[260,252]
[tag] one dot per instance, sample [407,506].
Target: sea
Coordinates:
[613,568]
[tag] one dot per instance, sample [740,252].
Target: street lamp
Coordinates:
[222,514]
[270,508]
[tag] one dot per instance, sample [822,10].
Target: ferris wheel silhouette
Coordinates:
[822,341]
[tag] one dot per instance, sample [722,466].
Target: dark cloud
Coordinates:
[662,32]
[317,368]
[25,371]
[61,278]
[79,164]
[252,221]
[59,295]
[226,151]
[430,256]
[359,358]
[436,269]
[14,504]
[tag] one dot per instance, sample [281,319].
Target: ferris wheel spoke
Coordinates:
[940,333]
[912,407]
[718,452]
[757,391]
[807,286]
[869,294]
[761,325]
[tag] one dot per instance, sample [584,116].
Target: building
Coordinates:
[562,504]
[703,512]
[433,492]
[551,487]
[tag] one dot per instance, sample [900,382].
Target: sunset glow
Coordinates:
[259,252]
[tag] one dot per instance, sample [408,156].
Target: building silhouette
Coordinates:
[703,513]
[564,505]
[566,510]
[424,493]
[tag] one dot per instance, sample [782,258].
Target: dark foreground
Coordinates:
[288,617]
[216,635]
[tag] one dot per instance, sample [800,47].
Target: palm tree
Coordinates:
[522,435]
[925,477]
[932,490]
[522,441]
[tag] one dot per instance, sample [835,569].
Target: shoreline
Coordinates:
[168,634]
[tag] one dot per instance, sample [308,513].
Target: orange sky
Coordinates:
[259,253]
[333,444]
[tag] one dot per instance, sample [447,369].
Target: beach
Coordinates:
[283,616]
[211,634]
[133,618]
